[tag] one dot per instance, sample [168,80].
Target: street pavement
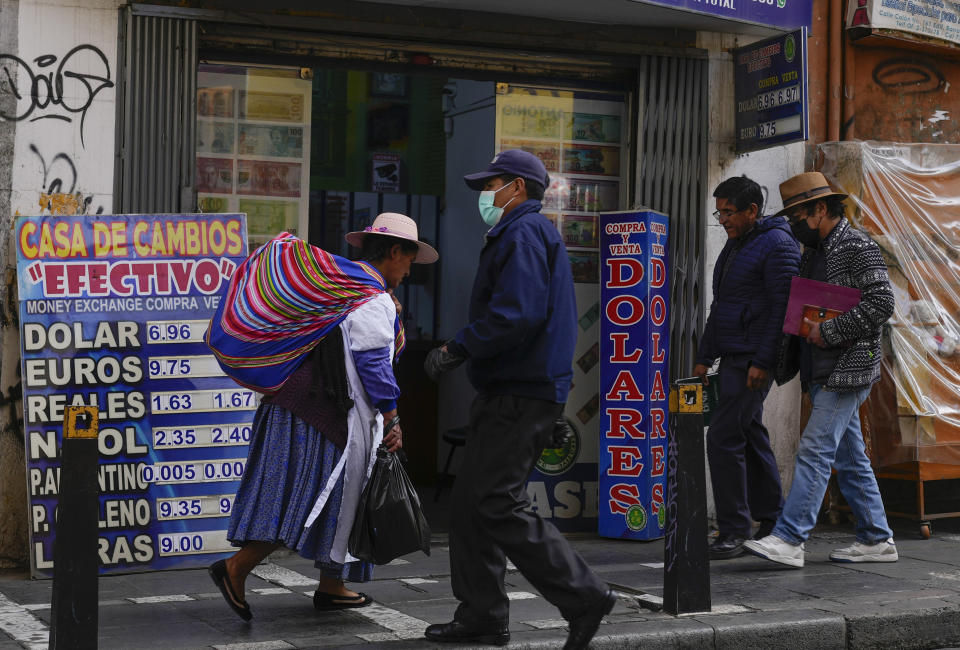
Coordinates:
[913,603]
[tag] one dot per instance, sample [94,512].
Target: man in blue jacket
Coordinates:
[751,284]
[519,347]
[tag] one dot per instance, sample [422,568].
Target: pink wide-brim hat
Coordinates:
[398,225]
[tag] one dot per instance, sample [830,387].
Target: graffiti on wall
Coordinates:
[908,76]
[55,89]
[904,98]
[58,194]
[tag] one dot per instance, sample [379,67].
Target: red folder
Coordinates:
[818,301]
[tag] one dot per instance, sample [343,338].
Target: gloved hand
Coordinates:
[561,434]
[440,360]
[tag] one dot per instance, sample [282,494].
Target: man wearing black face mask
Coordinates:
[839,361]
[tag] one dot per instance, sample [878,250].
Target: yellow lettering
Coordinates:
[119,230]
[139,230]
[78,245]
[158,247]
[101,239]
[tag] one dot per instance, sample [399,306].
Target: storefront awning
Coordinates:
[733,16]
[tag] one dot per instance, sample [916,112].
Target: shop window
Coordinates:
[581,139]
[253,146]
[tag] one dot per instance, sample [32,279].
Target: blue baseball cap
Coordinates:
[515,162]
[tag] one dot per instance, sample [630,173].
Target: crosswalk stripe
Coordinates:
[172,598]
[25,628]
[273,591]
[547,624]
[402,625]
[256,645]
[282,576]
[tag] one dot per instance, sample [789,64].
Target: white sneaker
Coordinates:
[776,550]
[860,552]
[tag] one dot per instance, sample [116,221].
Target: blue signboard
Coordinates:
[782,14]
[113,310]
[770,92]
[634,380]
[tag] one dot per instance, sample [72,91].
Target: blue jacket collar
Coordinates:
[761,225]
[769,223]
[528,206]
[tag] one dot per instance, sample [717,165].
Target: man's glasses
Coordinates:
[719,215]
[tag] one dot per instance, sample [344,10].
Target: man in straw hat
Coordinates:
[751,283]
[519,343]
[839,361]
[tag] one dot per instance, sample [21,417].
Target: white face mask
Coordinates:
[490,213]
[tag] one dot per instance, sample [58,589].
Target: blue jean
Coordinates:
[832,438]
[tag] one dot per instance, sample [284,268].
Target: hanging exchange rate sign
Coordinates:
[113,311]
[770,89]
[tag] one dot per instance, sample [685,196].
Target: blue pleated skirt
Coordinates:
[288,465]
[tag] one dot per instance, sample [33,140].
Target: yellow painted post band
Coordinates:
[690,398]
[70,416]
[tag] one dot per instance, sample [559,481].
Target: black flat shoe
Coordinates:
[585,626]
[325,602]
[726,547]
[457,632]
[218,573]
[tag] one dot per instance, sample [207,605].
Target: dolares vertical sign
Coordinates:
[634,380]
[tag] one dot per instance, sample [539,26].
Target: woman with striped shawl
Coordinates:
[318,335]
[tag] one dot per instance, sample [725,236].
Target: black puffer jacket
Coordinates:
[746,316]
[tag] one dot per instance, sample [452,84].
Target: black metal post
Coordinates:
[73,616]
[686,564]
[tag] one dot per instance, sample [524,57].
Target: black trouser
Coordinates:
[743,469]
[489,522]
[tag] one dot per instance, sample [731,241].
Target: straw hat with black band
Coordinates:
[805,188]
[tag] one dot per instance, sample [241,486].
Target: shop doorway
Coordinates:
[312,184]
[321,153]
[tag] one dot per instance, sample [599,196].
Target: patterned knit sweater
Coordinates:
[854,260]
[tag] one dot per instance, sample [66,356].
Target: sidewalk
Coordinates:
[914,603]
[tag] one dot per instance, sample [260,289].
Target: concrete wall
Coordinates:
[56,157]
[769,168]
[906,93]
[13,497]
[903,96]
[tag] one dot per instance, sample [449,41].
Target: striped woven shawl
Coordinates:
[280,302]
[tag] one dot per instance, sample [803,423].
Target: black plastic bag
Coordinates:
[389,521]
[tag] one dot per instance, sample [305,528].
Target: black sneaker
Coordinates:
[726,547]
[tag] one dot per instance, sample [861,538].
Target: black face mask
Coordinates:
[805,234]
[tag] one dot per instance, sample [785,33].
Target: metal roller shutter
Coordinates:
[672,150]
[156,114]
